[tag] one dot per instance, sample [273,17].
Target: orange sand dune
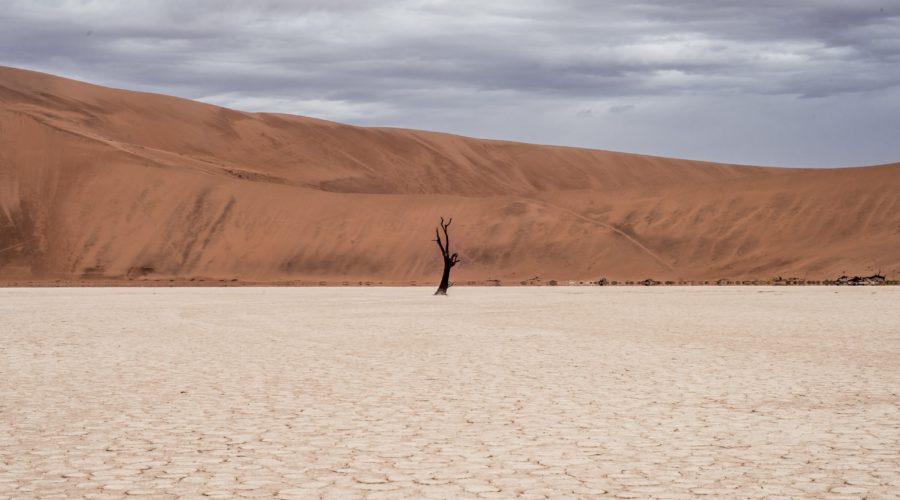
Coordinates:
[106,184]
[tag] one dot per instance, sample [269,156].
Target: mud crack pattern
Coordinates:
[487,393]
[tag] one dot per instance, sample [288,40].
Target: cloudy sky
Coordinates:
[771,82]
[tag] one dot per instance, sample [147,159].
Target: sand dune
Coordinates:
[105,184]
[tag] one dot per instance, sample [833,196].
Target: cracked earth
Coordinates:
[569,392]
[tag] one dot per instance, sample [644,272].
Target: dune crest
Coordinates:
[100,183]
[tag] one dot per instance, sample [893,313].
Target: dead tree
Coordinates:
[450,260]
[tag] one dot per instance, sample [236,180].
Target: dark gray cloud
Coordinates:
[807,82]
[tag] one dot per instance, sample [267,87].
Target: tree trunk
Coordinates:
[445,279]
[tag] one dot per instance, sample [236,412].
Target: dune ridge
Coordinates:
[106,184]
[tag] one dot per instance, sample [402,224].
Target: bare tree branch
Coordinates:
[437,238]
[446,235]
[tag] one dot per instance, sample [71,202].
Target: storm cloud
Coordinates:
[807,83]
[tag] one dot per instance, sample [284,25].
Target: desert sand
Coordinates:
[100,184]
[489,393]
